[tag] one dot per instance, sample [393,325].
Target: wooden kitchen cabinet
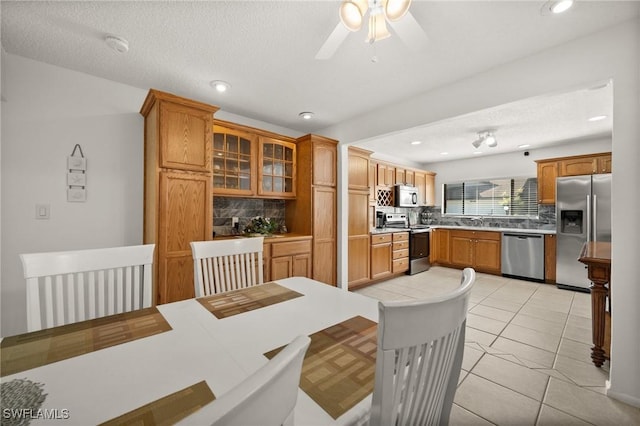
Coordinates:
[373,182]
[476,249]
[552,168]
[547,174]
[381,255]
[314,211]
[290,259]
[358,169]
[234,161]
[386,175]
[550,258]
[276,168]
[177,188]
[440,253]
[578,166]
[359,245]
[400,252]
[430,189]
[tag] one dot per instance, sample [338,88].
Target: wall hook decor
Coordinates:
[76,176]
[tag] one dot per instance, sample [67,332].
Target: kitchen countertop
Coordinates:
[291,236]
[471,228]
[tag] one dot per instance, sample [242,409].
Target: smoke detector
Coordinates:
[118,44]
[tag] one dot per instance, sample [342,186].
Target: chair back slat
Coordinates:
[225,265]
[66,287]
[419,356]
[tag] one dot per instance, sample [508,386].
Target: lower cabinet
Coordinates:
[381,255]
[389,254]
[400,253]
[550,258]
[476,249]
[287,259]
[440,247]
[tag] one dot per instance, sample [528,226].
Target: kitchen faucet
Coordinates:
[478,219]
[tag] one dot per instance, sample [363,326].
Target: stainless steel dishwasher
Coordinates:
[523,255]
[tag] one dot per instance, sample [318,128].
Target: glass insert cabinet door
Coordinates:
[277,170]
[232,162]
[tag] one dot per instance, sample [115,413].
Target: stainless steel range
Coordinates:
[419,241]
[419,248]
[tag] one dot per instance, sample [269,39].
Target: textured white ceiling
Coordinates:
[266,50]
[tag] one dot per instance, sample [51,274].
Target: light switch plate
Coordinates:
[42,211]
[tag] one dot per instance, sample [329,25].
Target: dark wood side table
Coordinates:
[597,257]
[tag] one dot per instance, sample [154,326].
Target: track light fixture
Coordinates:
[487,137]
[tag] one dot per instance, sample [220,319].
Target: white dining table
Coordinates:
[104,384]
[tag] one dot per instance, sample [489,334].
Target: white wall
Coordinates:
[613,53]
[513,164]
[48,110]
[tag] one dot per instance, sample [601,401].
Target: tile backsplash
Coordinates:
[245,209]
[546,218]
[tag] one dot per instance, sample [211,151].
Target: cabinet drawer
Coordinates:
[401,245]
[380,238]
[400,265]
[399,254]
[290,248]
[476,235]
[400,236]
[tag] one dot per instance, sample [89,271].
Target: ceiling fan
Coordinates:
[381,12]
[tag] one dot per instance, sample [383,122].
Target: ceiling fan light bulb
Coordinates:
[351,15]
[396,9]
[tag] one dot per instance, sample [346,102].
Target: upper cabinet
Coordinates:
[552,168]
[386,175]
[234,160]
[277,168]
[251,162]
[547,174]
[183,131]
[358,168]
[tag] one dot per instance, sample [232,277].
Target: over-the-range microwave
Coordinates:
[405,196]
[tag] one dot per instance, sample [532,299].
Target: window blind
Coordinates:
[492,197]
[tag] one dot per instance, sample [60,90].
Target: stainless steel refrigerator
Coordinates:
[583,213]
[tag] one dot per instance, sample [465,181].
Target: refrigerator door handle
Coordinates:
[588,227]
[595,217]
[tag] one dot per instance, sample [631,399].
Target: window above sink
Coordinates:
[498,197]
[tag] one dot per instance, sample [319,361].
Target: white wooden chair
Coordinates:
[266,398]
[72,286]
[226,265]
[419,356]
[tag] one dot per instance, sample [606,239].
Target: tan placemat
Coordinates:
[169,409]
[38,348]
[235,302]
[339,367]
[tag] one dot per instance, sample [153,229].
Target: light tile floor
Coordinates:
[527,352]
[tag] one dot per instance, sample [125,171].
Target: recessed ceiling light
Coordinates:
[220,86]
[416,142]
[526,145]
[444,153]
[306,115]
[597,118]
[118,44]
[556,6]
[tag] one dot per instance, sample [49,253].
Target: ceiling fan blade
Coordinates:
[334,41]
[410,32]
